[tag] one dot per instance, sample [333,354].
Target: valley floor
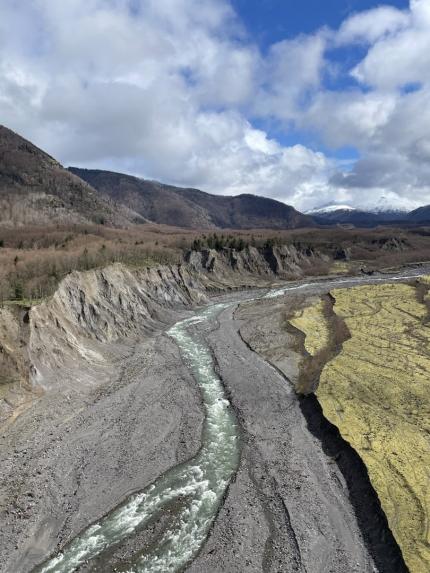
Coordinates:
[74,456]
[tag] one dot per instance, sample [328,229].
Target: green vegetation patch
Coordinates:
[376,390]
[312,321]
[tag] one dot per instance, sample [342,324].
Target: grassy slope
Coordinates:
[376,391]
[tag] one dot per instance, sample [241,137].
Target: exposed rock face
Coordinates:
[283,261]
[394,244]
[342,254]
[93,318]
[13,336]
[91,310]
[14,363]
[120,410]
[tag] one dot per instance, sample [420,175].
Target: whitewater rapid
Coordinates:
[199,484]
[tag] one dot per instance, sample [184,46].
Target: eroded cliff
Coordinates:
[79,329]
[91,311]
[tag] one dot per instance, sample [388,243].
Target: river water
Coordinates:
[198,485]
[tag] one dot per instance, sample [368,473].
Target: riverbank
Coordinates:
[74,456]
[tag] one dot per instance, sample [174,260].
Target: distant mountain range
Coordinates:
[191,208]
[347,215]
[36,190]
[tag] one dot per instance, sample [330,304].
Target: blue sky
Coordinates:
[312,102]
[269,21]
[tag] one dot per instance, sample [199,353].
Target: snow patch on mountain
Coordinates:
[330,209]
[384,204]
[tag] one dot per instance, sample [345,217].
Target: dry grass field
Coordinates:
[33,259]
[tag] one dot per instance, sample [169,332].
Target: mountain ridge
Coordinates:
[193,208]
[36,189]
[347,215]
[420,215]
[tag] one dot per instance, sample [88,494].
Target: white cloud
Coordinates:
[350,117]
[387,115]
[156,91]
[169,89]
[291,72]
[401,57]
[372,25]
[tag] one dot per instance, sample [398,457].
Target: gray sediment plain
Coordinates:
[288,508]
[73,456]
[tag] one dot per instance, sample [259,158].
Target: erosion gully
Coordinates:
[198,485]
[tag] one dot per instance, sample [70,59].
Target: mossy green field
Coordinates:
[376,390]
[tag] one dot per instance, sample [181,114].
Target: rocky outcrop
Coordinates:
[93,310]
[13,337]
[282,261]
[342,254]
[14,363]
[93,318]
[394,244]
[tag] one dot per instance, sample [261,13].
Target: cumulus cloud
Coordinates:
[386,116]
[372,25]
[172,89]
[290,74]
[351,116]
[150,87]
[401,57]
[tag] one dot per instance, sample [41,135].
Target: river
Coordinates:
[199,485]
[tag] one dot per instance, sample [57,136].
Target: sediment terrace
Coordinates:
[377,392]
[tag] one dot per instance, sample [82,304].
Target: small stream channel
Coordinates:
[199,484]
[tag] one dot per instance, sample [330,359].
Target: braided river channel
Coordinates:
[197,487]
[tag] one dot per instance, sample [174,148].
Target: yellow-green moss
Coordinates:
[340,268]
[377,392]
[312,321]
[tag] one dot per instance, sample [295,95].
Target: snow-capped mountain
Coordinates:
[386,204]
[383,205]
[330,209]
[376,214]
